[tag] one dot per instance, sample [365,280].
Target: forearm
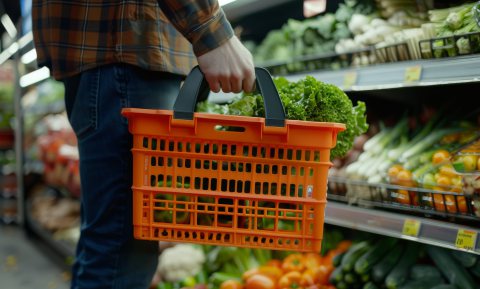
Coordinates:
[202,22]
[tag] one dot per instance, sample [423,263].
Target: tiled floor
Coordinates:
[26,265]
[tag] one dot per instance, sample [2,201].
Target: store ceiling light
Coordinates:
[29,57]
[9,26]
[7,53]
[25,39]
[225,2]
[35,76]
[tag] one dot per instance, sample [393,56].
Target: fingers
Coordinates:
[236,82]
[214,85]
[248,84]
[230,82]
[228,67]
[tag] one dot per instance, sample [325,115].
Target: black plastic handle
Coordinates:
[196,87]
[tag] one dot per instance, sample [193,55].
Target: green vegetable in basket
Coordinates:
[311,100]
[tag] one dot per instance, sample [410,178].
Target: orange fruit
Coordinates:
[405,178]
[470,162]
[394,170]
[448,170]
[440,156]
[444,182]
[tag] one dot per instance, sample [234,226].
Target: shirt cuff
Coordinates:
[211,34]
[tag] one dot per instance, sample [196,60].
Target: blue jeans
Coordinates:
[107,256]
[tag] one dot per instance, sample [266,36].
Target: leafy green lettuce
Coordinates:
[310,100]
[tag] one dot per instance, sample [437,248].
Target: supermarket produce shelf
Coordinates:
[66,250]
[431,72]
[428,231]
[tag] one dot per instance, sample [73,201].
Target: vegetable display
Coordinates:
[418,163]
[310,36]
[453,21]
[367,262]
[405,265]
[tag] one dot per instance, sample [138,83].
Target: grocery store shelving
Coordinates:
[433,232]
[66,250]
[434,72]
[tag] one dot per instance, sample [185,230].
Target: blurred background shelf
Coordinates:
[434,72]
[65,249]
[431,232]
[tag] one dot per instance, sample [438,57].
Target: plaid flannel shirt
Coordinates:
[71,36]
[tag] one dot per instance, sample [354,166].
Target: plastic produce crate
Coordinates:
[230,180]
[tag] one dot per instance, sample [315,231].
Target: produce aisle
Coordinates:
[24,262]
[403,192]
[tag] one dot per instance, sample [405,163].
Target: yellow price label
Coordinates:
[413,73]
[466,239]
[349,80]
[411,227]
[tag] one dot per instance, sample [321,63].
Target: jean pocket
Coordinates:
[84,115]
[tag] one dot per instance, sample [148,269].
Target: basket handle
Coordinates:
[195,86]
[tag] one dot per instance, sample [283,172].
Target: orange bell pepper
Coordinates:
[231,284]
[293,262]
[318,275]
[308,278]
[259,281]
[312,260]
[343,246]
[272,272]
[291,280]
[274,263]
[249,273]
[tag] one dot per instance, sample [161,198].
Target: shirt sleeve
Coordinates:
[202,22]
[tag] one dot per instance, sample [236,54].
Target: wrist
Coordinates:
[211,34]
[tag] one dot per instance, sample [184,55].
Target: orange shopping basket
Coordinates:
[230,180]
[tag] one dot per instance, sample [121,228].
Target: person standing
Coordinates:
[112,54]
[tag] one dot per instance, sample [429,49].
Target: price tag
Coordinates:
[466,239]
[411,227]
[349,80]
[413,73]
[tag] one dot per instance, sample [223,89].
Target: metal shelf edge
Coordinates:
[458,70]
[432,232]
